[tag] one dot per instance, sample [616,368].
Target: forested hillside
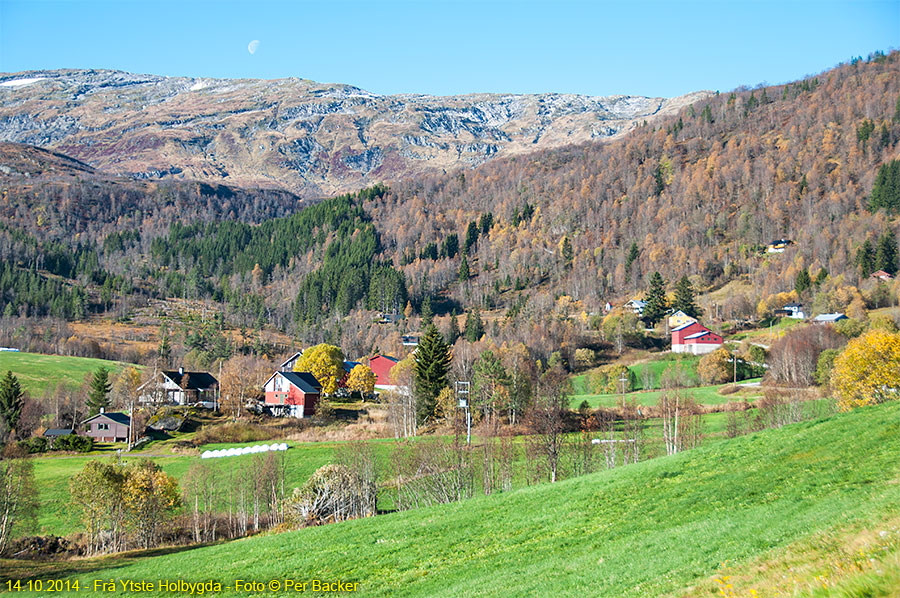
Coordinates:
[541,237]
[700,196]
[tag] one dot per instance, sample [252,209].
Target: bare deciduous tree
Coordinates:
[547,417]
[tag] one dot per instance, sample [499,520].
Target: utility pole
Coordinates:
[462,395]
[734,359]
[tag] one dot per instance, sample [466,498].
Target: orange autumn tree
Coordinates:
[867,372]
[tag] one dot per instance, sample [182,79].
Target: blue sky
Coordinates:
[447,47]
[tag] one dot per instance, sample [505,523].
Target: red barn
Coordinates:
[382,365]
[702,342]
[293,393]
[695,338]
[678,334]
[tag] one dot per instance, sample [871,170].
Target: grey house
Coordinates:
[108,427]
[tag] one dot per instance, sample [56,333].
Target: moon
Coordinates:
[252,46]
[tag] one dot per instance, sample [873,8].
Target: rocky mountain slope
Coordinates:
[314,139]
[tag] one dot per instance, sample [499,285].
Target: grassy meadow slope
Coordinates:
[654,528]
[52,474]
[36,371]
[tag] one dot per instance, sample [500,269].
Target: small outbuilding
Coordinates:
[53,433]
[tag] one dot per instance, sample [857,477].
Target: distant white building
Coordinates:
[829,318]
[637,306]
[792,310]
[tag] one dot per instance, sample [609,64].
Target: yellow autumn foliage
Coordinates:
[867,372]
[361,379]
[326,363]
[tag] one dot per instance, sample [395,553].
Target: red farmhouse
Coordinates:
[293,393]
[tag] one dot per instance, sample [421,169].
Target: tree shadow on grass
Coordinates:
[46,569]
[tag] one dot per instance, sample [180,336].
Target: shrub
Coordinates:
[825,365]
[584,358]
[74,442]
[332,493]
[850,327]
[608,379]
[37,444]
[715,367]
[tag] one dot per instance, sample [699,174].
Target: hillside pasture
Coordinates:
[36,372]
[651,529]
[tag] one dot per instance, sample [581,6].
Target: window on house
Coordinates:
[103,426]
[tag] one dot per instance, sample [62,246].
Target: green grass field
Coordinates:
[705,395]
[56,515]
[652,529]
[36,371]
[656,365]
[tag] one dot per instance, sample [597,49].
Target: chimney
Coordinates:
[102,410]
[181,371]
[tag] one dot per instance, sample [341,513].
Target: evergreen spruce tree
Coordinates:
[432,364]
[471,236]
[11,401]
[486,222]
[886,253]
[98,394]
[474,326]
[425,311]
[453,332]
[464,269]
[886,189]
[684,298]
[568,253]
[165,349]
[802,282]
[865,258]
[630,257]
[821,276]
[655,300]
[451,246]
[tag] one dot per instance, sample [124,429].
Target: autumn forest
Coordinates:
[541,241]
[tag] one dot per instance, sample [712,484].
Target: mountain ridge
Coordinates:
[311,138]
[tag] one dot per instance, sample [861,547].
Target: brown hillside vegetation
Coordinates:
[699,195]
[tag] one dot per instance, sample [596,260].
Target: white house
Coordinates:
[637,306]
[792,310]
[181,388]
[288,365]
